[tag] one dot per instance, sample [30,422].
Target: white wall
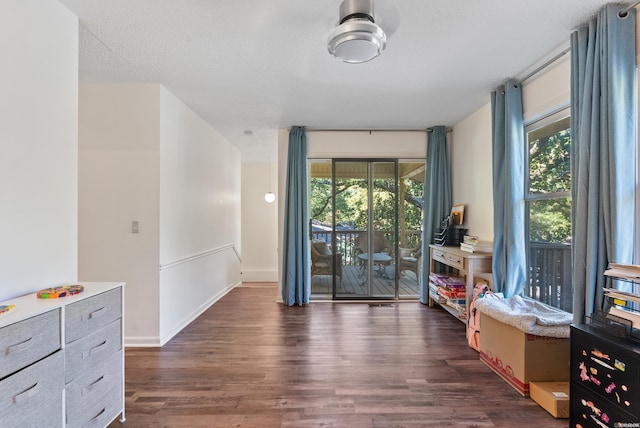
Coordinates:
[146,157]
[547,91]
[365,144]
[471,159]
[200,218]
[119,173]
[259,233]
[471,170]
[38,136]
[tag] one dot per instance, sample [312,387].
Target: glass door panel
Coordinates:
[321,229]
[382,214]
[411,175]
[365,227]
[351,201]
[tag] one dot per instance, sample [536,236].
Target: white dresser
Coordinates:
[62,360]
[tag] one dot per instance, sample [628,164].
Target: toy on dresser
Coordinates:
[61,291]
[4,309]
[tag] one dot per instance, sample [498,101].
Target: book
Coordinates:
[469,239]
[621,295]
[617,270]
[467,247]
[479,247]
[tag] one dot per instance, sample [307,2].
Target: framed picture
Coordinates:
[457,214]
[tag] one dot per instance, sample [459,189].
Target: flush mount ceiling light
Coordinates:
[358,38]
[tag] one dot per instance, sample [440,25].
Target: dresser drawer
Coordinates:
[33,397]
[101,385]
[606,369]
[590,410]
[448,258]
[99,412]
[84,354]
[28,341]
[91,314]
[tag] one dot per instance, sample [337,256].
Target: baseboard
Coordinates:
[141,342]
[157,342]
[197,312]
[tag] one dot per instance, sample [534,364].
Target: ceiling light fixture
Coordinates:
[358,38]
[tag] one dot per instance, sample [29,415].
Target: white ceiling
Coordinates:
[257,65]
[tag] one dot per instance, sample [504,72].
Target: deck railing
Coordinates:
[549,265]
[346,239]
[550,275]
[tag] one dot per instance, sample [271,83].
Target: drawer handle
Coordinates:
[93,350]
[94,419]
[29,392]
[437,254]
[96,313]
[91,386]
[451,259]
[25,344]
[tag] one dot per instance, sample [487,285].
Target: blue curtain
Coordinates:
[437,189]
[296,270]
[603,120]
[509,253]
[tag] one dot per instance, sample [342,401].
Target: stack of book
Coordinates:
[450,287]
[449,291]
[623,299]
[471,244]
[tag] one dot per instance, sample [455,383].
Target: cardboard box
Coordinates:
[519,358]
[551,396]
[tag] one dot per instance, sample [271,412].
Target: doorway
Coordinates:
[357,221]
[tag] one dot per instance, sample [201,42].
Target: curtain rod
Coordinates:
[372,130]
[545,65]
[623,12]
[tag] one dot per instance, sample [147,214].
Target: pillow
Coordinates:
[321,247]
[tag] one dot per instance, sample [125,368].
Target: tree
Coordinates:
[550,173]
[351,202]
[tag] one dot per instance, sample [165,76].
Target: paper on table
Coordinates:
[623,271]
[622,295]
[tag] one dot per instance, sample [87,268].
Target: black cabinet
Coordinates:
[605,379]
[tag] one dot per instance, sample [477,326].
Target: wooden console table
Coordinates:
[465,265]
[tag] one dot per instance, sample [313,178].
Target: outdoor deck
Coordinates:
[353,284]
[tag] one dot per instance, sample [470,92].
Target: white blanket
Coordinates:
[527,315]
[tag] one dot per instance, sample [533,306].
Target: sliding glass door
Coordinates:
[360,231]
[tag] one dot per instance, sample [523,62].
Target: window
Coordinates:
[548,210]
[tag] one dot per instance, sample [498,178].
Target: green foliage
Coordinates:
[352,202]
[550,163]
[549,173]
[550,220]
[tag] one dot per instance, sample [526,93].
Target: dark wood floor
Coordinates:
[251,362]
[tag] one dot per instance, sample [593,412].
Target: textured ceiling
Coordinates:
[249,65]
